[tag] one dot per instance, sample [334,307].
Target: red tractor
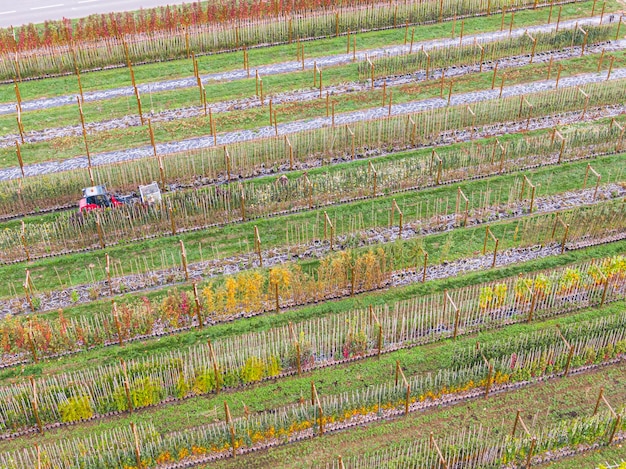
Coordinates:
[96,197]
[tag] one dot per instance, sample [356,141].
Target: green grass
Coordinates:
[592,459]
[183,340]
[329,381]
[116,78]
[130,137]
[238,238]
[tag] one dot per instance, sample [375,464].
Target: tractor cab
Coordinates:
[96,197]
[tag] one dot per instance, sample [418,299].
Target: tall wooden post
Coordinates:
[257,245]
[18,150]
[198,306]
[137,451]
[82,122]
[107,270]
[116,321]
[183,256]
[296,344]
[216,369]
[127,386]
[231,426]
[35,404]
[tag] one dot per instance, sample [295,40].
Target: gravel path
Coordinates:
[50,133]
[286,67]
[311,124]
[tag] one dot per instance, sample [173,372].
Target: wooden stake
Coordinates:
[600,60]
[137,452]
[433,444]
[384,92]
[608,76]
[602,13]
[198,307]
[257,245]
[116,321]
[296,343]
[19,157]
[107,269]
[35,404]
[183,256]
[204,100]
[127,386]
[216,369]
[550,14]
[321,84]
[229,421]
[20,126]
[80,85]
[38,456]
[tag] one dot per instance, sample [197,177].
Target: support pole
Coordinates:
[183,256]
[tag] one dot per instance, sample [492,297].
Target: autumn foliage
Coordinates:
[154,20]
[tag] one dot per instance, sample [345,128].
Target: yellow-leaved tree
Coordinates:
[279,283]
[231,295]
[250,289]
